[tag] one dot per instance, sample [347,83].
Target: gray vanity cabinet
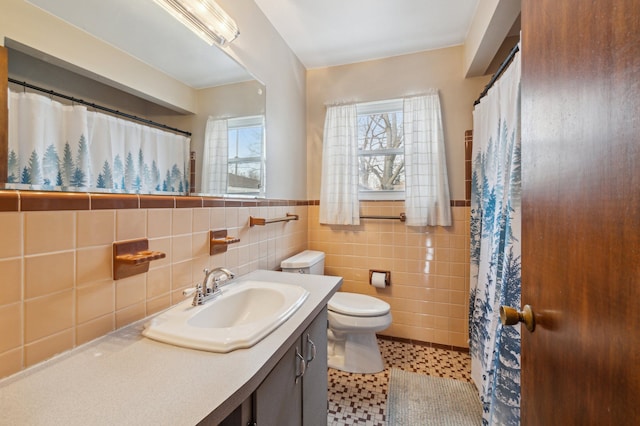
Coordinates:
[315,382]
[295,391]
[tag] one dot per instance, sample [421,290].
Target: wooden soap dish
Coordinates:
[140,257]
[218,241]
[132,257]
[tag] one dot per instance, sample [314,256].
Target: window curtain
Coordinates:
[339,185]
[495,249]
[427,200]
[215,158]
[61,147]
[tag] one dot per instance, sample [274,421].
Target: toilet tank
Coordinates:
[306,262]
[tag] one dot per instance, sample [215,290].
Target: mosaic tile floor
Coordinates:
[361,399]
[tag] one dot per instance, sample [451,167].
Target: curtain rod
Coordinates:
[99,107]
[400,98]
[498,73]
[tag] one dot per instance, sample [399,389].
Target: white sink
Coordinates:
[243,314]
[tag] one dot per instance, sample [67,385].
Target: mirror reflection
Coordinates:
[225,92]
[229,139]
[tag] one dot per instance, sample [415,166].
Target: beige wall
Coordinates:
[429,266]
[429,291]
[393,78]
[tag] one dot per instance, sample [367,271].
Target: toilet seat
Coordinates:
[357,305]
[340,323]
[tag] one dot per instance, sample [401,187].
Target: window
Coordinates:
[390,150]
[381,150]
[246,160]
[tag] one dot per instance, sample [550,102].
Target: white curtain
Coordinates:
[495,249]
[215,157]
[339,186]
[427,200]
[61,147]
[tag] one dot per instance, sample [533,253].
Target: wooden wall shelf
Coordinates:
[219,241]
[132,257]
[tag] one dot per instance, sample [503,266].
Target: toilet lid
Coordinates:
[359,305]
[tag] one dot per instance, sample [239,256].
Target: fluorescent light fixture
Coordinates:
[203,17]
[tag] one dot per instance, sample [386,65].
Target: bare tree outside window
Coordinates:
[381,151]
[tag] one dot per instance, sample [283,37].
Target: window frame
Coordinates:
[380,107]
[233,124]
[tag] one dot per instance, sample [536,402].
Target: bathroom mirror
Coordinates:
[224,89]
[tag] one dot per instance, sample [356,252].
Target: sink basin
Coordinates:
[243,314]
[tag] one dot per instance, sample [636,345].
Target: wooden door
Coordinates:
[581,211]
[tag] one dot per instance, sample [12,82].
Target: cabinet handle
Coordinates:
[313,349]
[302,365]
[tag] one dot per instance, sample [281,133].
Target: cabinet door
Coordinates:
[315,381]
[279,396]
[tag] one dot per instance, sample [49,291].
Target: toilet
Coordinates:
[354,320]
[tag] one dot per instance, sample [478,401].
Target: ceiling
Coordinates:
[321,33]
[335,32]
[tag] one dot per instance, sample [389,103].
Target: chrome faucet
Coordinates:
[206,291]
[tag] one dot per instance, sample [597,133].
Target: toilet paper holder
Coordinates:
[387,276]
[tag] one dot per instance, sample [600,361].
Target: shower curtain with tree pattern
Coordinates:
[67,147]
[495,249]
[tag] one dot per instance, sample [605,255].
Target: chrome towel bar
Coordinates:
[402,217]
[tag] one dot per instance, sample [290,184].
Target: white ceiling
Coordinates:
[335,32]
[320,32]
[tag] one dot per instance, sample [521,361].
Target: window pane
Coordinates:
[381,172]
[245,142]
[246,157]
[244,178]
[381,145]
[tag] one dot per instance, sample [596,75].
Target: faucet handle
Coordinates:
[226,275]
[229,274]
[189,291]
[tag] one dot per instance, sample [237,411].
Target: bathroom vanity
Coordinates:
[126,379]
[295,391]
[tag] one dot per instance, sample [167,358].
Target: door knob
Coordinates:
[511,316]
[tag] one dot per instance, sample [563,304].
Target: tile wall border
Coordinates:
[23,201]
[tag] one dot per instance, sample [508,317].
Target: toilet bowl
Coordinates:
[354,320]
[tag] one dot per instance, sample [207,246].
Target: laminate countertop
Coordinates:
[124,378]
